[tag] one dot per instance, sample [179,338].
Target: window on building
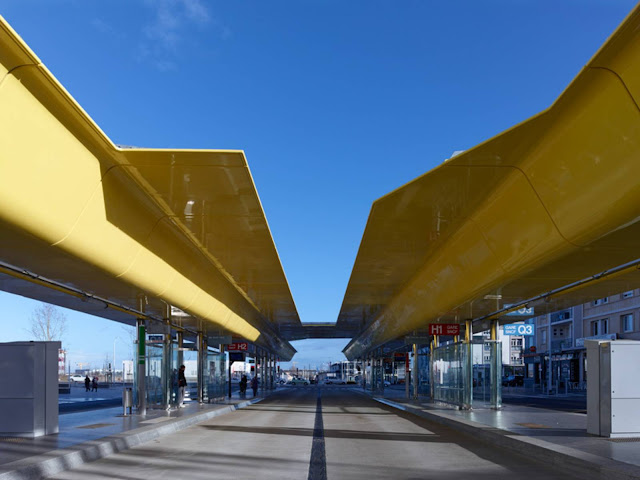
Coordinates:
[628,294]
[600,301]
[627,322]
[600,327]
[544,336]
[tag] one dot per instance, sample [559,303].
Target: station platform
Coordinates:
[88,435]
[558,438]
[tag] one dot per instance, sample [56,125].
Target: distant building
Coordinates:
[345,371]
[557,356]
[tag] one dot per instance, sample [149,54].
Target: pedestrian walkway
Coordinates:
[89,435]
[555,437]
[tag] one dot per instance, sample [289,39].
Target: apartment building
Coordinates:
[556,354]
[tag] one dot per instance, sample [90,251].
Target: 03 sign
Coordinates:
[524,330]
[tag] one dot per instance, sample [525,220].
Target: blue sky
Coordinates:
[334,102]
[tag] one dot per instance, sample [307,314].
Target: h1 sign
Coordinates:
[444,329]
[523,330]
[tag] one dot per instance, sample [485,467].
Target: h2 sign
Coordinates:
[518,330]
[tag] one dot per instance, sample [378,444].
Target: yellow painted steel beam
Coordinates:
[119,222]
[544,204]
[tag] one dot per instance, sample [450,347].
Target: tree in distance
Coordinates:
[48,323]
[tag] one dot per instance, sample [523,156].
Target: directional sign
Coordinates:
[238,347]
[444,329]
[155,338]
[521,312]
[417,340]
[523,330]
[219,340]
[236,357]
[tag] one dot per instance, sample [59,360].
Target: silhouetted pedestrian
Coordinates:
[94,384]
[254,385]
[243,385]
[182,383]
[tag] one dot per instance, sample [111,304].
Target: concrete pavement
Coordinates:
[335,432]
[558,438]
[313,433]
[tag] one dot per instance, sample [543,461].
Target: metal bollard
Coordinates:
[127,401]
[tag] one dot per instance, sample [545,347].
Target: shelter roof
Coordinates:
[547,203]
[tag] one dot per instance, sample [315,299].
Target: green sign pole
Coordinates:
[141,344]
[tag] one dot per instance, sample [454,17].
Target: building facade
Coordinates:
[555,358]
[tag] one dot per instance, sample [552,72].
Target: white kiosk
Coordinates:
[29,397]
[613,388]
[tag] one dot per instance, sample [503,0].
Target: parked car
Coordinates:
[513,381]
[76,378]
[299,381]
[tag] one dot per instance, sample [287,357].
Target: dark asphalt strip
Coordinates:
[318,461]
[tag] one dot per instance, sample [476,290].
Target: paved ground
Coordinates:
[315,433]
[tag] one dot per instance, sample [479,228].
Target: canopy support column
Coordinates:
[496,366]
[142,353]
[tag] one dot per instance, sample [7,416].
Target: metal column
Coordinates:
[432,381]
[180,339]
[415,377]
[167,357]
[141,371]
[201,354]
[407,371]
[496,367]
[467,402]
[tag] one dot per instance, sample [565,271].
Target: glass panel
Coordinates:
[424,359]
[154,380]
[377,377]
[216,378]
[496,373]
[481,373]
[487,373]
[451,374]
[176,361]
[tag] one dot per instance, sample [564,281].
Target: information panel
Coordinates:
[518,329]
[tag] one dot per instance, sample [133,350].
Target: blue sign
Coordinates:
[521,312]
[523,330]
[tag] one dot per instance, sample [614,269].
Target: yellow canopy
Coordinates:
[182,227]
[546,203]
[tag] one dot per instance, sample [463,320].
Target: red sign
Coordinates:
[238,347]
[444,329]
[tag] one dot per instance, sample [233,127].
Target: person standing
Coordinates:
[254,385]
[87,383]
[243,385]
[182,383]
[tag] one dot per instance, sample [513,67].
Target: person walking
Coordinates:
[254,385]
[182,383]
[243,385]
[87,383]
[94,384]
